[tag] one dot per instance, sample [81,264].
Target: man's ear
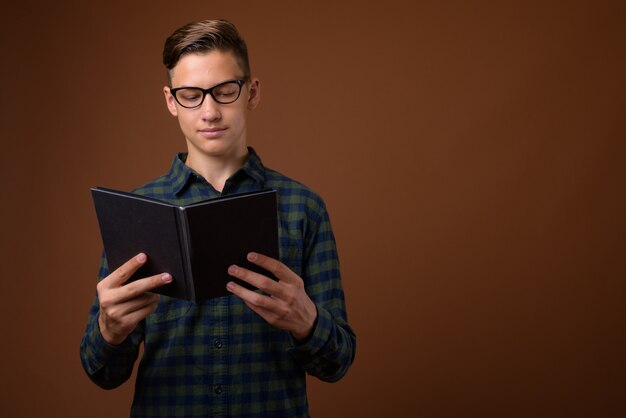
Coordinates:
[170,101]
[254,93]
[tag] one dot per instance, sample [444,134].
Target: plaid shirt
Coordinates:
[218,358]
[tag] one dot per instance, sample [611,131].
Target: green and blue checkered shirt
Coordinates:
[217,358]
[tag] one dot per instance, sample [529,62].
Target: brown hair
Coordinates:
[205,36]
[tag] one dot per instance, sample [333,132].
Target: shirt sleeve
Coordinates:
[107,365]
[329,351]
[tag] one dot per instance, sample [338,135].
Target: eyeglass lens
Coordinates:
[194,96]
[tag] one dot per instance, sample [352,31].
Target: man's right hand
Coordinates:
[123,306]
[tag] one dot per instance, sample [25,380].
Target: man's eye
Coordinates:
[190,96]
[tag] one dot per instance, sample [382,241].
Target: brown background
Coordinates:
[472,155]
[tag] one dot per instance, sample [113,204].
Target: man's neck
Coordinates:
[216,170]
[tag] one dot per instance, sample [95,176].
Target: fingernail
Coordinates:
[166,277]
[141,257]
[252,256]
[230,286]
[233,269]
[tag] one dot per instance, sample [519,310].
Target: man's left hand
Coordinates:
[285,305]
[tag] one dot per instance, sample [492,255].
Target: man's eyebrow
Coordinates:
[221,82]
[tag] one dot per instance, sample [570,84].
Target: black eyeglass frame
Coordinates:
[209,91]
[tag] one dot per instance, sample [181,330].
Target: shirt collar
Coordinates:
[254,168]
[180,174]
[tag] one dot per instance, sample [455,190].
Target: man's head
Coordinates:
[210,89]
[202,37]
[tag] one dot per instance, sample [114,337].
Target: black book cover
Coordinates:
[195,243]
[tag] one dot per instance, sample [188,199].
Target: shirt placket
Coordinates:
[219,389]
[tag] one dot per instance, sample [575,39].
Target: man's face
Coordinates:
[212,130]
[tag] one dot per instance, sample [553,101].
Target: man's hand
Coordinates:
[122,306]
[287,307]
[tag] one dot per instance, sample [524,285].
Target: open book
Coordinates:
[195,243]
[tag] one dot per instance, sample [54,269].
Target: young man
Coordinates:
[244,355]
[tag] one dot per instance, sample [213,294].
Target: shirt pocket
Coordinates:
[170,309]
[291,253]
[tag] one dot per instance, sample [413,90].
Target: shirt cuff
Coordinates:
[318,337]
[99,352]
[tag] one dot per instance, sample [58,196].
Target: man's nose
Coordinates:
[210,109]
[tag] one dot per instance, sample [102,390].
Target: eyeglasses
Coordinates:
[224,93]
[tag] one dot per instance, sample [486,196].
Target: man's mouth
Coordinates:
[212,132]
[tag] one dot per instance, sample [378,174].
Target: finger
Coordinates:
[139,315]
[275,316]
[250,297]
[125,271]
[118,320]
[138,303]
[111,298]
[133,317]
[257,280]
[269,316]
[278,269]
[142,286]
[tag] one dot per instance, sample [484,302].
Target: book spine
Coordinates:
[185,246]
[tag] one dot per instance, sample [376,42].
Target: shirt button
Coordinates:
[217,389]
[217,343]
